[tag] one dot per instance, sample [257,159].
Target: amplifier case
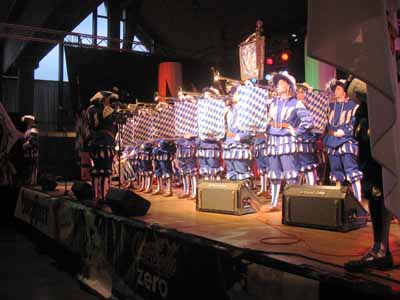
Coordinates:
[322,207]
[224,196]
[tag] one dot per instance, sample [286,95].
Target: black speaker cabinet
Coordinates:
[82,190]
[322,207]
[126,203]
[224,196]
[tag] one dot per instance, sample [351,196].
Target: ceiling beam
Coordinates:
[32,15]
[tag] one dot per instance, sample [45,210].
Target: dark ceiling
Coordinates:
[208,30]
[203,28]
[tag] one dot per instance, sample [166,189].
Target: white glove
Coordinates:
[292,131]
[339,133]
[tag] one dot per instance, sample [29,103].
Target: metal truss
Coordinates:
[51,36]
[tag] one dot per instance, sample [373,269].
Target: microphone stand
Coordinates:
[65,186]
[120,121]
[119,153]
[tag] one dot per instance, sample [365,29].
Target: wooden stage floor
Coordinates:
[326,251]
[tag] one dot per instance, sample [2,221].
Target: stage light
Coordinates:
[285,56]
[253,80]
[268,77]
[269,61]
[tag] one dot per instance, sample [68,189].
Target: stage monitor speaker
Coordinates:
[126,203]
[322,207]
[225,197]
[82,190]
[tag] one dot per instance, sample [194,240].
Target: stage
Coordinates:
[175,249]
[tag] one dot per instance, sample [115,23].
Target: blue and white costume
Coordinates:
[288,119]
[281,143]
[145,159]
[156,161]
[307,157]
[145,156]
[343,151]
[236,148]
[186,156]
[260,154]
[163,155]
[129,164]
[209,154]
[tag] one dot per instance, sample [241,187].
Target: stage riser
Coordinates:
[155,262]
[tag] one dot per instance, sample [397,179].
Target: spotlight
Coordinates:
[269,61]
[285,56]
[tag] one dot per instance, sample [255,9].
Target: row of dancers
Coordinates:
[283,150]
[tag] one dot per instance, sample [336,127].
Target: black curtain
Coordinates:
[46,103]
[47,106]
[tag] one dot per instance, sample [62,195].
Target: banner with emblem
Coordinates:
[164,121]
[186,117]
[252,107]
[317,103]
[127,133]
[38,209]
[251,56]
[144,125]
[210,114]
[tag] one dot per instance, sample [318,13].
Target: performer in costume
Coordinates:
[288,119]
[31,149]
[101,143]
[165,156]
[306,145]
[145,157]
[186,155]
[209,152]
[157,167]
[342,148]
[260,154]
[236,146]
[379,256]
[129,166]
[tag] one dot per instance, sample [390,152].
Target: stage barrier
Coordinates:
[131,258]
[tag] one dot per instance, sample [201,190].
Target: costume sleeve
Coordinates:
[348,127]
[306,122]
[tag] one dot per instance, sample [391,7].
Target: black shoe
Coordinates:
[370,261]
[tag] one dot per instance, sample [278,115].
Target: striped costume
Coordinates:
[342,151]
[288,119]
[236,148]
[282,144]
[209,154]
[186,155]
